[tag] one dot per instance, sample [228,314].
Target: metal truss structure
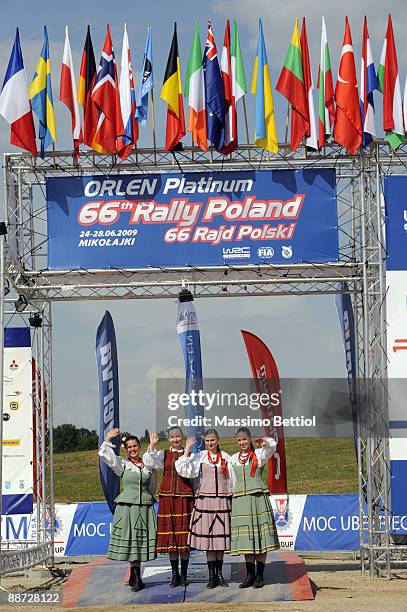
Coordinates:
[360,272]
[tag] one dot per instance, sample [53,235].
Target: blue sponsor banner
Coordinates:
[206,218]
[395,188]
[108,376]
[189,337]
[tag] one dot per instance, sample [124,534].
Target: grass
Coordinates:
[314,465]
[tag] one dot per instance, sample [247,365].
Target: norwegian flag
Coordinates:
[127,100]
[230,143]
[105,94]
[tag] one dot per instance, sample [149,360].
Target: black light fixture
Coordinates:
[3,229]
[21,303]
[185,296]
[35,320]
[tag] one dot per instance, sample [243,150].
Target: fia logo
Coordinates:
[286,252]
[265,252]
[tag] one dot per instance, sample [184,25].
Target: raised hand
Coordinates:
[153,439]
[189,443]
[112,433]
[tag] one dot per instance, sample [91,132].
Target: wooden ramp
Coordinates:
[101,582]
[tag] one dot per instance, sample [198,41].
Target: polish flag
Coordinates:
[68,93]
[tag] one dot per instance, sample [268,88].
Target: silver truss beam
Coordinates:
[361,267]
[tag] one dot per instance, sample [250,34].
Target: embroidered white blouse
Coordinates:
[118,464]
[154,458]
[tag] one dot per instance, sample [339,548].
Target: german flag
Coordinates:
[171,93]
[87,71]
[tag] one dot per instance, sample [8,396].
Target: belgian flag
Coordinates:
[171,93]
[87,71]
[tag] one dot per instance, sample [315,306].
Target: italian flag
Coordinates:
[239,87]
[195,92]
[291,86]
[326,108]
[389,85]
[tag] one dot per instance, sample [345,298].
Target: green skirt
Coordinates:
[133,533]
[253,527]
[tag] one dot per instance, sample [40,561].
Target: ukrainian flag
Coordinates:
[41,98]
[266,134]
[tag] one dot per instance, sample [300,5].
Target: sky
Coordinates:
[303,333]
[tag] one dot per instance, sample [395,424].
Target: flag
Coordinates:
[14,102]
[41,97]
[267,381]
[108,377]
[291,86]
[146,83]
[326,107]
[189,337]
[348,122]
[68,94]
[230,142]
[195,92]
[87,71]
[239,87]
[105,95]
[171,93]
[127,99]
[214,93]
[389,85]
[311,141]
[368,83]
[266,135]
[405,106]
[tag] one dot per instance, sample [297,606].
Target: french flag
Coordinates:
[368,83]
[15,105]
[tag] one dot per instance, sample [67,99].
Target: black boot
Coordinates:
[249,580]
[258,581]
[213,576]
[138,583]
[132,577]
[176,580]
[184,572]
[219,566]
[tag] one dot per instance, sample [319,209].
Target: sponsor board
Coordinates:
[179,220]
[304,522]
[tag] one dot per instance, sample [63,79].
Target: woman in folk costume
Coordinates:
[176,501]
[209,528]
[254,532]
[134,523]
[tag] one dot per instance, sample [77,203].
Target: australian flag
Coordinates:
[214,93]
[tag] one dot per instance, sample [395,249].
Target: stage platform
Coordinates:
[101,582]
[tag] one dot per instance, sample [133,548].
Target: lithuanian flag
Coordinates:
[291,86]
[171,93]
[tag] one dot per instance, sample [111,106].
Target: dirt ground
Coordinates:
[338,585]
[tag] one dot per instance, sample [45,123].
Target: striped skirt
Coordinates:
[133,533]
[253,527]
[174,515]
[210,524]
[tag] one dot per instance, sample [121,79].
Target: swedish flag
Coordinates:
[41,97]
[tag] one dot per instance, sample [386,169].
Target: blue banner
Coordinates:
[108,376]
[193,219]
[188,333]
[346,319]
[396,222]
